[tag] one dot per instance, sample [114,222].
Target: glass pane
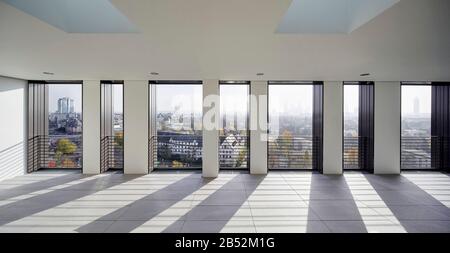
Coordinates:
[351,118]
[290,129]
[416,127]
[118,109]
[178,142]
[234,137]
[65,126]
[117,142]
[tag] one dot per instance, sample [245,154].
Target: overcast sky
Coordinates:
[290,99]
[188,98]
[57,91]
[410,93]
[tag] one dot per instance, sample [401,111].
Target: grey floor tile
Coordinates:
[145,210]
[426,226]
[346,226]
[96,227]
[335,209]
[122,226]
[175,227]
[240,186]
[199,226]
[418,213]
[330,206]
[314,226]
[167,195]
[330,194]
[212,213]
[226,197]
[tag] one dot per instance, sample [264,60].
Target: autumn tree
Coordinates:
[64,148]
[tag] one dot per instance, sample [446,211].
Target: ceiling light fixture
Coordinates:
[260,74]
[154,73]
[365,74]
[48,73]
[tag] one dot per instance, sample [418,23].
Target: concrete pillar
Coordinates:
[211,106]
[258,127]
[332,127]
[136,112]
[387,127]
[91,127]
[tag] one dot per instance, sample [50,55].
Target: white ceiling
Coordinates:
[233,39]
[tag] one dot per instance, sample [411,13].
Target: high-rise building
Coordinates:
[66,105]
[416,105]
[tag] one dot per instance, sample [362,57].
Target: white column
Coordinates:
[258,127]
[210,157]
[332,127]
[91,127]
[136,111]
[387,127]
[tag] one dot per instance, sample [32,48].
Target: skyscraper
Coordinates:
[66,105]
[416,105]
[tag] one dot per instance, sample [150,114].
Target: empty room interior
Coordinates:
[214,116]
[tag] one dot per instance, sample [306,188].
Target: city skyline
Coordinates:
[416,97]
[58,91]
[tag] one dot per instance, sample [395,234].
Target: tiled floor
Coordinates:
[65,201]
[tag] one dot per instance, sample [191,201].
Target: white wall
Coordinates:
[135,127]
[13,122]
[258,145]
[332,128]
[91,127]
[210,156]
[387,127]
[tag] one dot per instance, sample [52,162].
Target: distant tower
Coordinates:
[66,105]
[71,106]
[416,105]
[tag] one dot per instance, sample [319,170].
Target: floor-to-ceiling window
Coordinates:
[234,133]
[176,138]
[351,129]
[65,127]
[112,125]
[416,135]
[358,126]
[290,140]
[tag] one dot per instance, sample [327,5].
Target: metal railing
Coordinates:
[234,151]
[55,151]
[355,149]
[417,152]
[177,151]
[111,153]
[290,152]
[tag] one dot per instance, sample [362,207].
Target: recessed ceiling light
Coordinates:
[365,74]
[260,74]
[154,73]
[48,73]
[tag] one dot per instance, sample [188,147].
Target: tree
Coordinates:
[286,146]
[118,139]
[64,147]
[308,158]
[353,155]
[241,158]
[177,164]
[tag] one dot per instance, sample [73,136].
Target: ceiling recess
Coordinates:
[330,16]
[80,16]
